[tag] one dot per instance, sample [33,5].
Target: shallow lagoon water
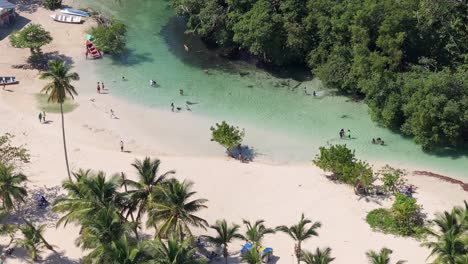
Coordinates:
[257,101]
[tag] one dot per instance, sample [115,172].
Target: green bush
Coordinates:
[110,37]
[340,161]
[403,219]
[226,135]
[392,179]
[52,4]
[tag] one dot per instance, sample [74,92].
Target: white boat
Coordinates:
[8,80]
[75,12]
[66,18]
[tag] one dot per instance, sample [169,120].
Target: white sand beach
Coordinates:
[277,193]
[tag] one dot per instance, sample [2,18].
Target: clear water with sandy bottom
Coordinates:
[251,98]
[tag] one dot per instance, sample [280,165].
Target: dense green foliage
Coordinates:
[110,37]
[341,161]
[404,218]
[392,179]
[226,135]
[33,36]
[408,58]
[449,234]
[53,4]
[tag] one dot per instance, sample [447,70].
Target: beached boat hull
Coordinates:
[8,80]
[92,50]
[66,19]
[74,12]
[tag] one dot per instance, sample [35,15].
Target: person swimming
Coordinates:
[152,83]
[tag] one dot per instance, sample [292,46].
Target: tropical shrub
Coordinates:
[404,218]
[226,135]
[53,4]
[341,161]
[110,37]
[392,179]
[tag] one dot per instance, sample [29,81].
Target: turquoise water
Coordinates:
[257,101]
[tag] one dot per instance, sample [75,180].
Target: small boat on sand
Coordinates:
[8,80]
[66,18]
[75,12]
[92,50]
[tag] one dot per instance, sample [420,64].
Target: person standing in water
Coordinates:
[103,86]
[98,88]
[349,133]
[172,107]
[40,117]
[314,93]
[341,133]
[181,92]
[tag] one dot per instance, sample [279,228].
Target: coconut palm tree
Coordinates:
[449,236]
[124,251]
[33,240]
[59,87]
[142,189]
[224,235]
[321,256]
[257,231]
[171,251]
[252,256]
[9,186]
[382,257]
[171,209]
[86,196]
[103,233]
[300,232]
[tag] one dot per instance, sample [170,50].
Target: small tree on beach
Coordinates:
[300,232]
[226,135]
[224,235]
[110,37]
[33,36]
[60,86]
[252,256]
[9,186]
[335,159]
[320,256]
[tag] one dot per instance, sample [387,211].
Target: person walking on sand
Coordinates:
[172,107]
[121,146]
[349,133]
[43,116]
[40,117]
[112,113]
[98,88]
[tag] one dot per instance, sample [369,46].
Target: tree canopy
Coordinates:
[408,59]
[33,36]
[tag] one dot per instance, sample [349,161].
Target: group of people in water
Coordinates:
[378,141]
[342,133]
[314,93]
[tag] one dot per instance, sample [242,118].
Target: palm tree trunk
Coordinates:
[298,252]
[65,143]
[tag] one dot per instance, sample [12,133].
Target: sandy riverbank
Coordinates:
[276,193]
